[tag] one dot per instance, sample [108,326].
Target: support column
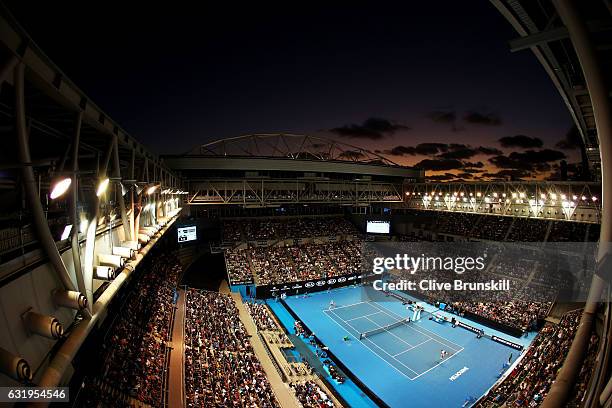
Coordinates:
[74,238]
[598,92]
[90,243]
[124,220]
[29,183]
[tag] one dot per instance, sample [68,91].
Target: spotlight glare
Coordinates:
[60,187]
[102,187]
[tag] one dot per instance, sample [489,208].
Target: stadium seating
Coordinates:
[221,368]
[135,352]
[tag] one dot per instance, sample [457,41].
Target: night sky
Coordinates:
[431,83]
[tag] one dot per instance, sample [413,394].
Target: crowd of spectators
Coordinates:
[272,265]
[261,316]
[221,368]
[311,395]
[238,266]
[530,381]
[257,229]
[135,349]
[529,230]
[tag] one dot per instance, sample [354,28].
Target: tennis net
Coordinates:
[381,329]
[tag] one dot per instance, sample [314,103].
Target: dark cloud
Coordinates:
[530,160]
[443,150]
[442,177]
[426,149]
[474,165]
[472,171]
[465,175]
[572,140]
[351,155]
[467,152]
[372,128]
[439,164]
[521,141]
[513,174]
[441,116]
[482,118]
[489,151]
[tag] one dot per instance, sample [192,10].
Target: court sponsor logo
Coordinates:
[331,281]
[508,343]
[321,283]
[458,374]
[309,284]
[341,279]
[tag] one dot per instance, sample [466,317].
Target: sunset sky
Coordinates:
[432,84]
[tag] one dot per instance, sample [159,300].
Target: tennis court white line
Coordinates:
[360,317]
[425,372]
[412,348]
[392,314]
[383,350]
[373,352]
[342,307]
[389,332]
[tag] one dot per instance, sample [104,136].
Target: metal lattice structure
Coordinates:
[569,201]
[291,146]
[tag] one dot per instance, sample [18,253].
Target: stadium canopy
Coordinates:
[541,30]
[289,146]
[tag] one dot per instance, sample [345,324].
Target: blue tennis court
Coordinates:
[399,346]
[402,365]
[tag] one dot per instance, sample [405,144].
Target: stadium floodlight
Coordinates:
[543,196]
[522,195]
[594,198]
[66,232]
[583,198]
[495,195]
[102,186]
[60,187]
[574,198]
[513,195]
[479,194]
[563,196]
[151,189]
[553,196]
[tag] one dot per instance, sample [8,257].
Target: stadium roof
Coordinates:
[542,31]
[286,153]
[289,146]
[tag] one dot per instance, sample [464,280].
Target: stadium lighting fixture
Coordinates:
[503,194]
[102,186]
[513,195]
[543,196]
[563,196]
[479,194]
[522,195]
[594,198]
[583,198]
[574,198]
[553,196]
[151,190]
[60,187]
[495,195]
[66,232]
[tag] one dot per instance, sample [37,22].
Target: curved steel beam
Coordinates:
[579,35]
[29,183]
